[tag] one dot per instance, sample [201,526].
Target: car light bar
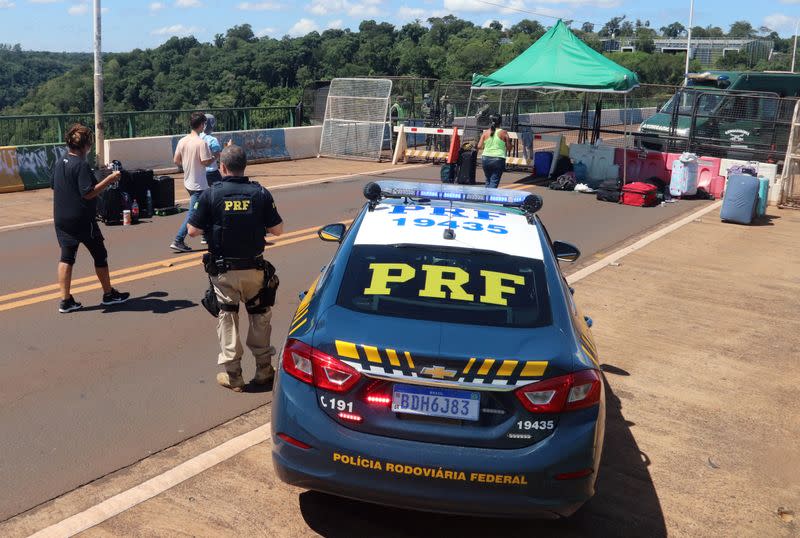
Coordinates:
[399,189]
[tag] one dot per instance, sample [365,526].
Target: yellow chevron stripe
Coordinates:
[300,313]
[393,360]
[485,367]
[298,326]
[297,323]
[410,361]
[589,343]
[372,354]
[507,368]
[469,365]
[590,355]
[346,349]
[534,369]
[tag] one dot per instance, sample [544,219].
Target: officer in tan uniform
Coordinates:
[236,215]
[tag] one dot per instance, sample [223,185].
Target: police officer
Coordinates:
[236,215]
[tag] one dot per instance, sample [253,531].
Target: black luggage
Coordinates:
[163,192]
[136,183]
[465,169]
[109,205]
[609,191]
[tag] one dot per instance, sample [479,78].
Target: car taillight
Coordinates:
[316,368]
[563,393]
[378,393]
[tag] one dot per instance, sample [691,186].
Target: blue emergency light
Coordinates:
[374,191]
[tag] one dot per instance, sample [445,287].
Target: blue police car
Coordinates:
[440,363]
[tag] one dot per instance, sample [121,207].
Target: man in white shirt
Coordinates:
[193,154]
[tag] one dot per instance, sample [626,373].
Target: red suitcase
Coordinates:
[639,194]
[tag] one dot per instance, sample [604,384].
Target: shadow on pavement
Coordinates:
[626,503]
[153,302]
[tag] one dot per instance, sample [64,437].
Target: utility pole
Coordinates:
[99,125]
[689,41]
[794,49]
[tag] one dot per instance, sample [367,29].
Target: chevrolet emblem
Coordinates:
[438,372]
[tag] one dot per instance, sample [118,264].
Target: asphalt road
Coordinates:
[88,393]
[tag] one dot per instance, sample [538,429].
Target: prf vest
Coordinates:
[238,215]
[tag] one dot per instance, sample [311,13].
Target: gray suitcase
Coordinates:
[741,199]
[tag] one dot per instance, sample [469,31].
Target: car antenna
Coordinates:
[450,232]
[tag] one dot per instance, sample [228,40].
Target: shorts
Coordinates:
[71,236]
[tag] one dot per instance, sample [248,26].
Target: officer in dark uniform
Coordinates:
[235,215]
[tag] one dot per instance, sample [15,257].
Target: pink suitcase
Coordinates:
[643,164]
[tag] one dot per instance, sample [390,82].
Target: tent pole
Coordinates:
[466,114]
[625,143]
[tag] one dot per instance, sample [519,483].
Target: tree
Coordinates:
[611,27]
[625,29]
[528,27]
[587,27]
[673,30]
[496,25]
[243,32]
[742,29]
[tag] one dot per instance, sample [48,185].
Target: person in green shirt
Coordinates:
[495,144]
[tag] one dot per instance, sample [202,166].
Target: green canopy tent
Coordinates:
[560,61]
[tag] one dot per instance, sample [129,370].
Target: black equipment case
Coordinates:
[163,192]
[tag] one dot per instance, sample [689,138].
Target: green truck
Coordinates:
[734,114]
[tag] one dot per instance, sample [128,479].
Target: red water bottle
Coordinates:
[135,211]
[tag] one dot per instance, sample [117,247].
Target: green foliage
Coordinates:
[655,68]
[22,71]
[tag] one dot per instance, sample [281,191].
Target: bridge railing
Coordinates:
[49,129]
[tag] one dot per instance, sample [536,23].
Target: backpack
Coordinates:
[564,182]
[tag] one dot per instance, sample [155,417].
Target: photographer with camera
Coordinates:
[75,192]
[236,215]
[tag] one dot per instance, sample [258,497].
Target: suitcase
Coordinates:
[684,178]
[639,194]
[465,169]
[448,173]
[741,197]
[763,196]
[136,183]
[609,191]
[163,192]
[109,205]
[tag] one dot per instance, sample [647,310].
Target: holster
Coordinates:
[209,300]
[265,298]
[214,266]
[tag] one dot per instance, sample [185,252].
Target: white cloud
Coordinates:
[411,13]
[187,3]
[176,29]
[157,6]
[79,9]
[336,24]
[506,24]
[303,27]
[518,6]
[5,4]
[258,6]
[266,32]
[362,8]
[780,22]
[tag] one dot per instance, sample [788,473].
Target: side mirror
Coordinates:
[332,232]
[566,252]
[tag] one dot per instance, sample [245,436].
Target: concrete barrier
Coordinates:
[261,145]
[28,167]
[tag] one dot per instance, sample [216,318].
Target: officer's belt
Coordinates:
[241,264]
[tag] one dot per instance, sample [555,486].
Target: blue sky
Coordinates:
[66,25]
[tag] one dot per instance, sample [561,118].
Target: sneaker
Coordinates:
[180,246]
[235,383]
[263,375]
[203,241]
[115,297]
[68,305]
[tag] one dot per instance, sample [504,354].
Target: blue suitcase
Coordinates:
[741,197]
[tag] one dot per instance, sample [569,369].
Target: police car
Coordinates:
[439,361]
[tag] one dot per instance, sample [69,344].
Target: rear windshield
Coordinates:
[453,285]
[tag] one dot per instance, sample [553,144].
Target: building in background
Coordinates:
[705,50]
